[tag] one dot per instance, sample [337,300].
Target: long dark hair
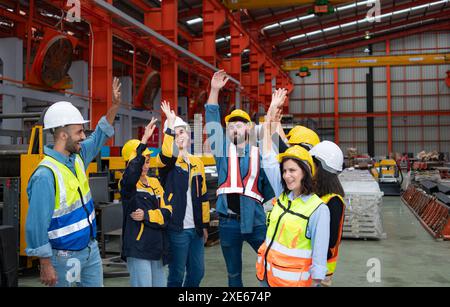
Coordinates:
[326,182]
[307,181]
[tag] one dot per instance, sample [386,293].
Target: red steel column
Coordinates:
[256,61]
[169,67]
[29,37]
[269,73]
[213,18]
[102,72]
[388,94]
[336,105]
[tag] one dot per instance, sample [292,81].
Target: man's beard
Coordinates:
[71,146]
[236,139]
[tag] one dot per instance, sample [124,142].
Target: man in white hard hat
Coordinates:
[183,178]
[60,226]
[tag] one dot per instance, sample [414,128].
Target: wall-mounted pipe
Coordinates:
[20,115]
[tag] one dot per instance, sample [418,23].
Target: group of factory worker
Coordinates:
[279,193]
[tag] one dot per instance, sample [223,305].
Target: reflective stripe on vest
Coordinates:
[294,276]
[285,258]
[234,182]
[298,253]
[70,226]
[290,276]
[331,263]
[64,231]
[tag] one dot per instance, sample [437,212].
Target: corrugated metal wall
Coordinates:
[413,88]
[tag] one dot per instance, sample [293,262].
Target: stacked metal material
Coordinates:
[363,205]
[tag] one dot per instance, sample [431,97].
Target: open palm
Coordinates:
[117,95]
[149,130]
[219,79]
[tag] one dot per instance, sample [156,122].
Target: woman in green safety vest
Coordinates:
[294,253]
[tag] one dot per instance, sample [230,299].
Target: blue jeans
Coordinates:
[81,268]
[146,273]
[231,241]
[187,255]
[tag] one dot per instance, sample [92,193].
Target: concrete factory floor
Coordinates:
[408,256]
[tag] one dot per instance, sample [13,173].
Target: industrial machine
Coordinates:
[148,90]
[52,61]
[389,176]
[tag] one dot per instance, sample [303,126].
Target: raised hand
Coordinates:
[278,98]
[116,101]
[219,80]
[149,130]
[117,95]
[170,114]
[276,105]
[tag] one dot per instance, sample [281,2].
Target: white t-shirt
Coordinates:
[188,221]
[189,215]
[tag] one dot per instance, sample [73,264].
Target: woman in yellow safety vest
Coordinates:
[328,159]
[294,253]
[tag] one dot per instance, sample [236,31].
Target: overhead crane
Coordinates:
[370,61]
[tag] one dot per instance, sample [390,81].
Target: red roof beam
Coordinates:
[197,11]
[359,34]
[276,39]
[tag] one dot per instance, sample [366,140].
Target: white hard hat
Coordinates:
[62,113]
[178,123]
[329,155]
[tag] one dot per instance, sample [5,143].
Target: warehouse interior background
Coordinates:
[371,76]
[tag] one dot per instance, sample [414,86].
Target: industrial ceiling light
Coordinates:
[194,21]
[367,35]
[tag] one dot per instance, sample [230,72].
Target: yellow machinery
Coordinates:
[28,163]
[389,176]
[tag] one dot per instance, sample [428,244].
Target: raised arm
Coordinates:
[218,81]
[271,123]
[134,168]
[104,130]
[169,151]
[275,114]
[214,129]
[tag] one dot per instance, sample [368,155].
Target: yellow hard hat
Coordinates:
[238,113]
[298,153]
[129,150]
[300,135]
